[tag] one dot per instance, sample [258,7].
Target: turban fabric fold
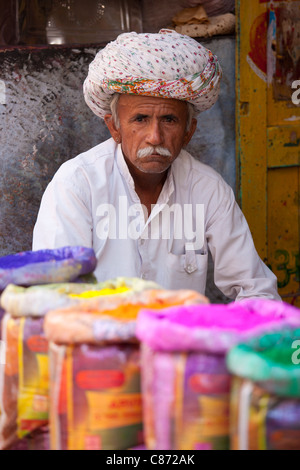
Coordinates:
[164,65]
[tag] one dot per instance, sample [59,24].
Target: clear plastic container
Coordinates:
[265,394]
[95,390]
[24,376]
[185,380]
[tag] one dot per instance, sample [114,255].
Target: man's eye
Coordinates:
[169,119]
[140,118]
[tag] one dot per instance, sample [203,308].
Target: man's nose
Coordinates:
[154,135]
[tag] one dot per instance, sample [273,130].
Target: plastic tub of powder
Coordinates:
[29,268]
[185,380]
[24,391]
[95,392]
[265,393]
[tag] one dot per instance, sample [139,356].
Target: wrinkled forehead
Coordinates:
[137,103]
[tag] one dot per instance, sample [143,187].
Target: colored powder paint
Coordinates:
[89,294]
[269,361]
[130,311]
[232,317]
[29,268]
[24,258]
[213,328]
[94,324]
[185,377]
[276,348]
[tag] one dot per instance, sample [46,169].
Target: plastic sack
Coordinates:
[37,440]
[96,400]
[271,360]
[185,379]
[213,327]
[40,267]
[24,378]
[111,318]
[95,394]
[2,312]
[28,268]
[265,395]
[38,300]
[185,400]
[261,420]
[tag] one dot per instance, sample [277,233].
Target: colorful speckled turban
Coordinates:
[164,65]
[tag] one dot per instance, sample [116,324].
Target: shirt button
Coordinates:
[189,268]
[142,241]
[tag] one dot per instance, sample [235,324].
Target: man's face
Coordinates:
[154,123]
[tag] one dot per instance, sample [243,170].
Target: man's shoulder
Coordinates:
[188,167]
[100,156]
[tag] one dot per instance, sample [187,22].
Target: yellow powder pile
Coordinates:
[96,293]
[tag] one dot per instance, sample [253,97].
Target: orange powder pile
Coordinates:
[130,312]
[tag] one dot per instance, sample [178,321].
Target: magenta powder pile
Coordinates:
[185,380]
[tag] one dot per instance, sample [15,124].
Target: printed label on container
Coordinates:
[108,410]
[38,344]
[214,415]
[99,379]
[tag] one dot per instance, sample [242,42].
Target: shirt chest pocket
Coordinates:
[186,271]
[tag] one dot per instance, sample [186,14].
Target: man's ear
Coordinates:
[189,134]
[114,131]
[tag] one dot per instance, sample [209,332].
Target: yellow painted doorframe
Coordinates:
[268,138]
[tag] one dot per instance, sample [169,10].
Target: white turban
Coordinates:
[164,65]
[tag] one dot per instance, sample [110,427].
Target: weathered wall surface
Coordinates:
[44,121]
[214,141]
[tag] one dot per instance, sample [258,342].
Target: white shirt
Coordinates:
[91,201]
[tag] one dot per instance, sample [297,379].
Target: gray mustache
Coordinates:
[147,151]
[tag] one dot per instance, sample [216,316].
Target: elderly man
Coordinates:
[146,206]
